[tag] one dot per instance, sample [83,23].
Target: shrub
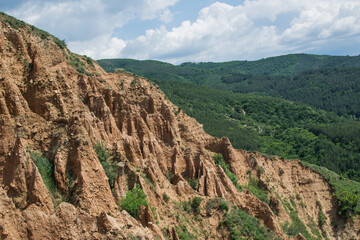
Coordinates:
[46,170]
[193,182]
[244,226]
[166,197]
[210,205]
[195,204]
[224,206]
[89,61]
[219,160]
[61,43]
[258,192]
[186,206]
[105,157]
[169,175]
[134,199]
[348,202]
[183,233]
[322,219]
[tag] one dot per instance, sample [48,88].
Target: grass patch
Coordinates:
[107,160]
[166,197]
[195,204]
[194,183]
[296,226]
[347,192]
[133,200]
[244,226]
[216,203]
[61,43]
[253,187]
[183,232]
[78,64]
[219,160]
[46,170]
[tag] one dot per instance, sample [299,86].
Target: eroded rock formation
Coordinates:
[59,105]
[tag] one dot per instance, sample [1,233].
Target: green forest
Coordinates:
[249,102]
[325,82]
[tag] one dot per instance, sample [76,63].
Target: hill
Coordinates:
[85,154]
[266,124]
[325,82]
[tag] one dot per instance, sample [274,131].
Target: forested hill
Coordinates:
[331,83]
[270,125]
[291,64]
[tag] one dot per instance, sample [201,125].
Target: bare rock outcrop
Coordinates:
[59,106]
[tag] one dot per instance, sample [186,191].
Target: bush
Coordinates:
[134,199]
[61,43]
[195,204]
[224,206]
[46,170]
[348,202]
[193,182]
[244,226]
[183,233]
[166,197]
[258,192]
[347,191]
[219,160]
[106,159]
[186,206]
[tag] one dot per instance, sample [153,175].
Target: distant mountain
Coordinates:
[331,83]
[291,64]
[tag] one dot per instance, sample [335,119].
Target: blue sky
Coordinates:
[177,31]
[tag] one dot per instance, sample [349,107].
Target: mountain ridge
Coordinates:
[63,113]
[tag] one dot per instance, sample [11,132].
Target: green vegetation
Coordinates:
[297,226]
[216,203]
[244,226]
[186,206]
[18,24]
[13,22]
[195,204]
[46,170]
[270,124]
[224,206]
[258,123]
[60,43]
[134,199]
[183,232]
[108,162]
[219,160]
[346,191]
[77,64]
[326,82]
[166,197]
[193,182]
[253,187]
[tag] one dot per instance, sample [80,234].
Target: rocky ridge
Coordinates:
[60,105]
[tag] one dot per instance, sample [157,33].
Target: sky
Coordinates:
[179,31]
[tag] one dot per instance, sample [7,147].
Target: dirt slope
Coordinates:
[59,105]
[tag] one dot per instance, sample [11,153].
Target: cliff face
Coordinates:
[58,106]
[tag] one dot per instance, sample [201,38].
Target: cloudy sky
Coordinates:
[196,30]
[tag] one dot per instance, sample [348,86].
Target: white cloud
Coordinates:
[223,32]
[102,47]
[84,22]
